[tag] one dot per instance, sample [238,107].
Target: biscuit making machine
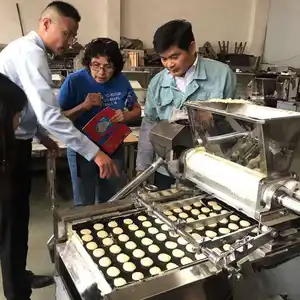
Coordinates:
[233,211]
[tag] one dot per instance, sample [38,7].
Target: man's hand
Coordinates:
[106,165]
[205,120]
[91,100]
[119,117]
[51,145]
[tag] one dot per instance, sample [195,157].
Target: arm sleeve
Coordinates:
[230,85]
[66,96]
[36,80]
[146,153]
[40,132]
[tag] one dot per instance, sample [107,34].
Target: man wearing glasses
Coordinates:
[25,62]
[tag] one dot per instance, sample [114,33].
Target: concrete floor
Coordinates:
[39,232]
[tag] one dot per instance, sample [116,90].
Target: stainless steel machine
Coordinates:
[234,210]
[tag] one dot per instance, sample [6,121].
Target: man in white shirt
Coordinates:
[25,62]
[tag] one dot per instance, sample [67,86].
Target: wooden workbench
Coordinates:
[39,150]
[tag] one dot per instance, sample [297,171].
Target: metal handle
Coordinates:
[222,138]
[130,187]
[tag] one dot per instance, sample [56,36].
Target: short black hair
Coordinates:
[65,9]
[12,101]
[177,33]
[104,47]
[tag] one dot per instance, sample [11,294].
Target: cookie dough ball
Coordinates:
[117,231]
[130,245]
[173,234]
[178,253]
[137,276]
[161,237]
[140,234]
[197,204]
[182,241]
[147,241]
[187,207]
[119,282]
[163,257]
[190,248]
[200,256]
[138,253]
[183,215]
[146,262]
[85,231]
[177,210]
[127,221]
[212,203]
[153,249]
[112,224]
[234,218]
[205,210]
[197,237]
[133,227]
[233,226]
[171,245]
[165,227]
[245,223]
[202,217]
[190,220]
[107,242]
[217,208]
[129,267]
[91,246]
[123,238]
[224,231]
[158,221]
[98,226]
[153,230]
[195,212]
[115,249]
[155,271]
[224,221]
[211,234]
[102,234]
[142,218]
[172,218]
[113,272]
[87,238]
[98,253]
[122,258]
[185,261]
[147,224]
[171,266]
[104,262]
[168,213]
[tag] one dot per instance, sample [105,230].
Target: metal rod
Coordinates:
[222,138]
[154,209]
[289,202]
[20,19]
[131,186]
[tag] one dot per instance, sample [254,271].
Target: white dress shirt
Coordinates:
[25,62]
[182,82]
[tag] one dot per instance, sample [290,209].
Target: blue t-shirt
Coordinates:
[117,93]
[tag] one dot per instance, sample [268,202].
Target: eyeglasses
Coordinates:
[69,36]
[105,68]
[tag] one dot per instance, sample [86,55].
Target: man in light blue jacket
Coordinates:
[186,76]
